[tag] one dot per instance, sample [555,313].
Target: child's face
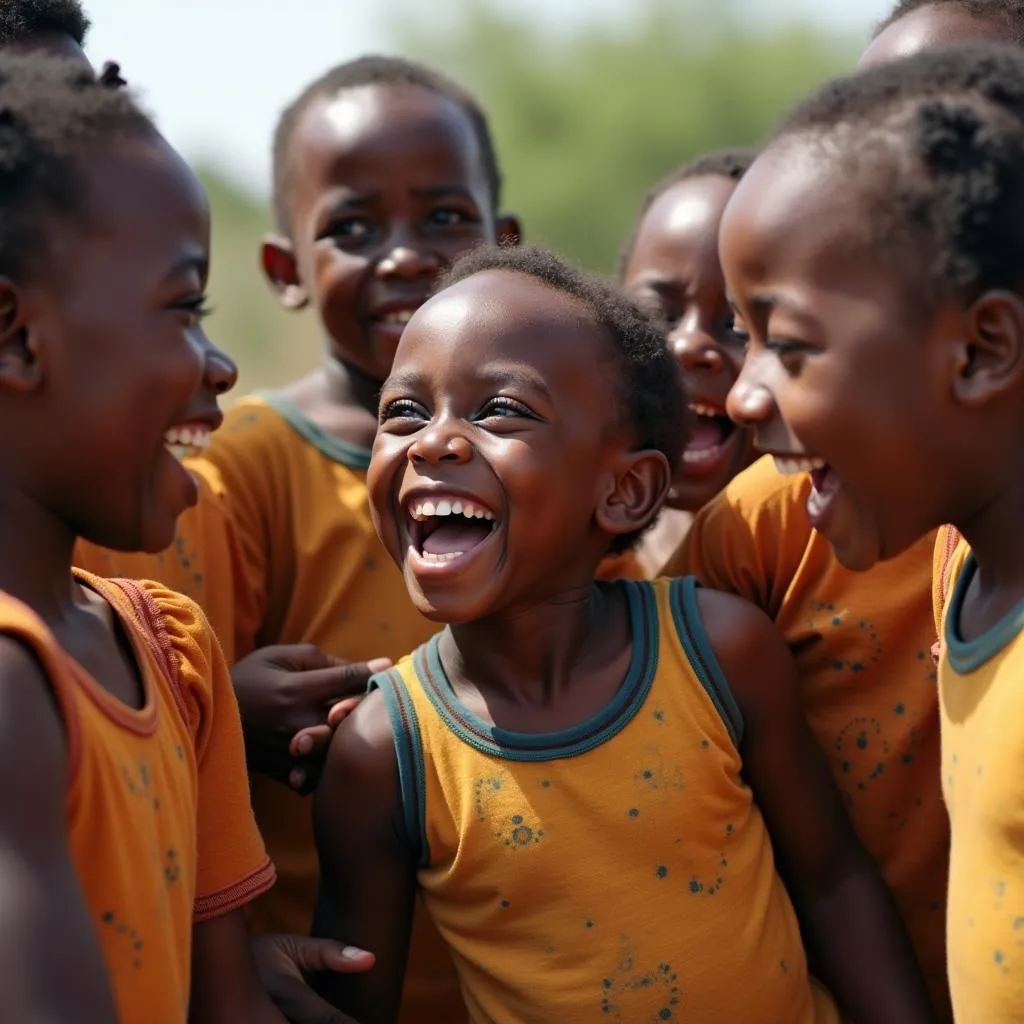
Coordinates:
[122,378]
[389,189]
[495,448]
[674,268]
[841,379]
[929,28]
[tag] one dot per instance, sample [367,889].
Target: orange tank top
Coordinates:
[617,871]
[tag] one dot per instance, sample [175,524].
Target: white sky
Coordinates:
[217,72]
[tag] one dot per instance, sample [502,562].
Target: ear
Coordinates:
[278,259]
[990,358]
[641,486]
[510,231]
[20,368]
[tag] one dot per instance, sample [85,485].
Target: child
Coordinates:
[129,843]
[861,640]
[559,771]
[55,27]
[671,268]
[936,302]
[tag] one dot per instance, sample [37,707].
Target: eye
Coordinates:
[195,310]
[450,216]
[504,407]
[402,409]
[348,229]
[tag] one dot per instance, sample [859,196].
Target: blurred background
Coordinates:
[591,102]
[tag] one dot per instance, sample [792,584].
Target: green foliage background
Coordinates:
[585,123]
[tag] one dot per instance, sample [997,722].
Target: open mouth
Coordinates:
[188,440]
[712,432]
[824,485]
[397,317]
[444,529]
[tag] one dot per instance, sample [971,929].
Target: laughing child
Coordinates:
[581,778]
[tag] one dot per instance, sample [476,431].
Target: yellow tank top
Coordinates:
[615,871]
[980,688]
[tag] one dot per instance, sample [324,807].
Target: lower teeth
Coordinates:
[429,556]
[816,503]
[182,451]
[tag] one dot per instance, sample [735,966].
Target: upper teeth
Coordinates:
[422,509]
[791,465]
[399,316]
[187,440]
[704,410]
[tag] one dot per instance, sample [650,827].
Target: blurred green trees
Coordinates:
[585,124]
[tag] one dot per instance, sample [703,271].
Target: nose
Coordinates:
[695,349]
[440,444]
[749,402]
[408,261]
[220,371]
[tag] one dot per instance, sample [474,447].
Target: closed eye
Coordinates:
[504,407]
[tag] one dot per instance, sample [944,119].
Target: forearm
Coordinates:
[861,948]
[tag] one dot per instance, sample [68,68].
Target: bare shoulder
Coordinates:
[29,715]
[749,648]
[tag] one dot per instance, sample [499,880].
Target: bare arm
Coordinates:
[367,873]
[52,969]
[850,923]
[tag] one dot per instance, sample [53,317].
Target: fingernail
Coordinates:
[305,745]
[352,953]
[379,665]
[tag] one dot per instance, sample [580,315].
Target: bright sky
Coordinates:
[217,72]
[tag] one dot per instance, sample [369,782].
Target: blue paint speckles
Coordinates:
[999,957]
[505,904]
[900,709]
[648,774]
[662,871]
[634,813]
[696,886]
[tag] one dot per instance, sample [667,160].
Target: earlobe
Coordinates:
[990,360]
[510,231]
[640,490]
[20,368]
[277,258]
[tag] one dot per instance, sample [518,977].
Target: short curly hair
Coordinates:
[1009,12]
[374,70]
[22,19]
[653,398]
[54,115]
[936,144]
[731,164]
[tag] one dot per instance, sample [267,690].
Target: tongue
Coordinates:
[456,536]
[708,433]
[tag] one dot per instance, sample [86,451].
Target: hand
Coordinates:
[290,699]
[285,961]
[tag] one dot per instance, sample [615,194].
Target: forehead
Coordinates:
[930,28]
[146,210]
[508,318]
[49,44]
[793,211]
[365,135]
[685,214]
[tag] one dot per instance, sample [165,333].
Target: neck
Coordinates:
[997,541]
[35,557]
[341,400]
[527,654]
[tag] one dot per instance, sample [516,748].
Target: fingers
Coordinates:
[313,955]
[313,741]
[340,711]
[338,681]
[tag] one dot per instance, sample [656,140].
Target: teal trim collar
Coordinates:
[966,656]
[352,455]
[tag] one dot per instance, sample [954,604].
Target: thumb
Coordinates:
[313,956]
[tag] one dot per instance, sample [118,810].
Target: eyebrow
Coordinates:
[362,200]
[190,264]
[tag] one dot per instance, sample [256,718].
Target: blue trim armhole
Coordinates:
[967,656]
[409,753]
[694,638]
[343,452]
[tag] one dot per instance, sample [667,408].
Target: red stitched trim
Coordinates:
[152,621]
[238,895]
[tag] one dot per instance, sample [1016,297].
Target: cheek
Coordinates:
[336,278]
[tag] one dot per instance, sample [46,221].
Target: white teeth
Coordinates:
[816,503]
[400,316]
[792,465]
[420,510]
[704,410]
[693,457]
[183,442]
[438,559]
